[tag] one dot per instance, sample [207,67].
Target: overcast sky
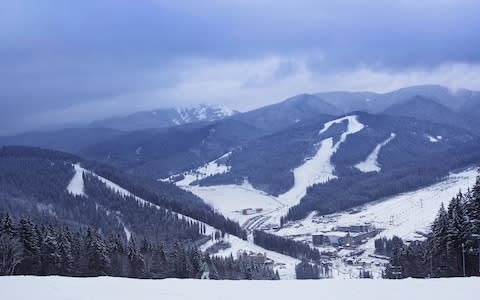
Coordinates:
[75,61]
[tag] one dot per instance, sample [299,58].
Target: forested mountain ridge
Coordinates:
[404,136]
[36,182]
[269,162]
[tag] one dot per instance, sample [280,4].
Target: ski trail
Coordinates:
[370,164]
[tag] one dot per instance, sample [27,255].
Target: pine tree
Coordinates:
[159,263]
[146,252]
[438,246]
[7,226]
[98,260]
[473,205]
[118,254]
[65,250]
[31,248]
[458,231]
[50,252]
[180,260]
[135,260]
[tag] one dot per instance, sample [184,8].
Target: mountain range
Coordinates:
[402,133]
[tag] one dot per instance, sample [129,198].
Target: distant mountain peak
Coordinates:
[205,112]
[167,117]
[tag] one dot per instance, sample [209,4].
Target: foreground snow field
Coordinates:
[61,288]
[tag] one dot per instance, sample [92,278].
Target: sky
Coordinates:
[71,62]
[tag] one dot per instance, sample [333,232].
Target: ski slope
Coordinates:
[76,187]
[402,215]
[319,168]
[101,288]
[231,199]
[370,164]
[212,168]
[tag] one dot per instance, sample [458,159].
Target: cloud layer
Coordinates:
[73,61]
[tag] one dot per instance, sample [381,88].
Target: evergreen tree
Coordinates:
[135,260]
[31,248]
[65,251]
[438,249]
[50,252]
[98,260]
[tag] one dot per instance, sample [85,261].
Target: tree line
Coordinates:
[452,246]
[285,246]
[28,248]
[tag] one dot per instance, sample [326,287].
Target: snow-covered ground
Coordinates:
[231,199]
[285,265]
[212,168]
[75,186]
[402,215]
[101,288]
[370,164]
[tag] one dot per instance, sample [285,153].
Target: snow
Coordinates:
[224,111]
[402,215]
[433,139]
[285,265]
[370,164]
[203,113]
[101,288]
[76,186]
[319,169]
[231,199]
[212,168]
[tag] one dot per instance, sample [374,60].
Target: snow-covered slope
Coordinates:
[75,186]
[319,169]
[370,164]
[285,265]
[401,215]
[230,200]
[101,288]
[212,168]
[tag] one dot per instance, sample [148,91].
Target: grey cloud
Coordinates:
[55,55]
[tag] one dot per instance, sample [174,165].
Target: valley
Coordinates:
[300,170]
[408,215]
